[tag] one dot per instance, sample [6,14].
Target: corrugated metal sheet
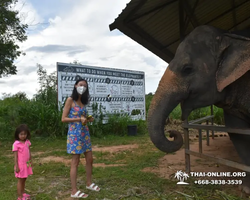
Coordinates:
[155,23]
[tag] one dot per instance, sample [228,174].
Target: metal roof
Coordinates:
[160,25]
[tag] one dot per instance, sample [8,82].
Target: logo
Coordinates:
[68,69]
[181,176]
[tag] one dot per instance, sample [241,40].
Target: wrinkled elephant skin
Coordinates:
[211,66]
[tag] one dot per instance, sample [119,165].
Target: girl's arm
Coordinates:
[30,152]
[30,158]
[16,161]
[66,110]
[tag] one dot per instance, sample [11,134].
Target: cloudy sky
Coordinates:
[67,30]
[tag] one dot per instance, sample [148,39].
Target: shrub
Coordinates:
[113,124]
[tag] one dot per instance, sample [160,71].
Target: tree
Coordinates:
[48,86]
[76,62]
[12,31]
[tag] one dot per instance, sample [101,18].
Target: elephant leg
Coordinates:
[241,144]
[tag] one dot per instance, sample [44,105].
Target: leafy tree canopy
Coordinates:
[12,31]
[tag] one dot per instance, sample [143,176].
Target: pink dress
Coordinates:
[23,153]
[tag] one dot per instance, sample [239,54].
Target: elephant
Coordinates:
[210,67]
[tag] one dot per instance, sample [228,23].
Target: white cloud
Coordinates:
[83,29]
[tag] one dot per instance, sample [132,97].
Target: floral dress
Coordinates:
[78,139]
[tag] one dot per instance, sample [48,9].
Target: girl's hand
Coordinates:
[17,169]
[84,120]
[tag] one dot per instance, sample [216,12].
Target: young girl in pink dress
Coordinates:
[23,168]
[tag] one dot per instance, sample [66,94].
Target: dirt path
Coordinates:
[111,149]
[221,147]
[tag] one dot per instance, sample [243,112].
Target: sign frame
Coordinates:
[116,90]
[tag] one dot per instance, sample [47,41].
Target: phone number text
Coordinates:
[218,182]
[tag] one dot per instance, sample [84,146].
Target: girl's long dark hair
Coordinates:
[84,96]
[19,129]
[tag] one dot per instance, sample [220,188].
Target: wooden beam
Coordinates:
[181,20]
[146,41]
[152,10]
[134,10]
[150,39]
[226,12]
[234,14]
[190,13]
[118,21]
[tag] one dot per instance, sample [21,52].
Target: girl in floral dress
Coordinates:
[78,138]
[23,168]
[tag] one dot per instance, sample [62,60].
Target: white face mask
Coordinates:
[81,89]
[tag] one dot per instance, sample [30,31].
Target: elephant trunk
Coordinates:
[168,95]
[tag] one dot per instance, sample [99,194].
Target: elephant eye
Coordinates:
[187,69]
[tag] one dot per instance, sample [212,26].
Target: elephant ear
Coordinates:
[234,59]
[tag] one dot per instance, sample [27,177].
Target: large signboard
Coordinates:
[116,90]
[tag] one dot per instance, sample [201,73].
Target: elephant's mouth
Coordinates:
[185,111]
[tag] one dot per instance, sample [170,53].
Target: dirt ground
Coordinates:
[110,149]
[221,146]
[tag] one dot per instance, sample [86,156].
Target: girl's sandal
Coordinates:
[23,198]
[93,187]
[27,196]
[79,194]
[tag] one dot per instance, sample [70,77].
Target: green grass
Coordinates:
[51,179]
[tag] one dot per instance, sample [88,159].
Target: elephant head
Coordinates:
[206,63]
